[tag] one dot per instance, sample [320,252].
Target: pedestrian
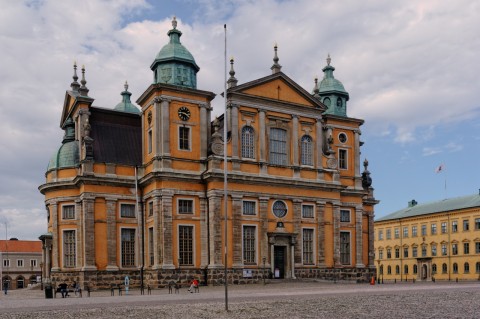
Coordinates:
[193,285]
[63,289]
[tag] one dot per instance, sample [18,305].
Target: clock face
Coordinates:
[184,113]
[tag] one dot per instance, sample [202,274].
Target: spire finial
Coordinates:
[83,89]
[126,86]
[329,59]
[316,90]
[275,67]
[75,85]
[232,81]
[174,22]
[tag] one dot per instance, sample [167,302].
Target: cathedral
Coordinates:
[272,188]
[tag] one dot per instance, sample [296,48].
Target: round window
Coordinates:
[342,137]
[279,209]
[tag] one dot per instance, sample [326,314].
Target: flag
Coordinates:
[440,168]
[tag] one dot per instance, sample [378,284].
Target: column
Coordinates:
[165,127]
[157,232]
[336,234]
[234,129]
[293,261]
[204,232]
[167,215]
[216,229]
[358,237]
[203,131]
[111,234]
[295,140]
[297,219]
[263,215]
[262,137]
[237,230]
[319,148]
[89,234]
[371,234]
[320,208]
[79,234]
[56,237]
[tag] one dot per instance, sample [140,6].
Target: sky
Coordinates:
[411,69]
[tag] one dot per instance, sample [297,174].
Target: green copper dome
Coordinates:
[126,105]
[68,155]
[331,92]
[174,64]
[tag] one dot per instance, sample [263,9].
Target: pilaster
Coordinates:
[167,214]
[237,230]
[215,226]
[295,140]
[358,237]
[336,234]
[111,235]
[320,210]
[263,214]
[89,234]
[55,237]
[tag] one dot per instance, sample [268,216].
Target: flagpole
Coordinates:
[225,195]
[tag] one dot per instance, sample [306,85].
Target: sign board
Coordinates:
[247,273]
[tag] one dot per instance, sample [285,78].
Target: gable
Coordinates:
[278,89]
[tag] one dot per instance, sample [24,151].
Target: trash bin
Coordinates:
[48,292]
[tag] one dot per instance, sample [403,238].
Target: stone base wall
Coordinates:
[161,278]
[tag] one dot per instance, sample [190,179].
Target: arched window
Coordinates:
[397,269]
[466,268]
[327,101]
[415,269]
[434,269]
[248,142]
[405,269]
[444,268]
[455,268]
[20,282]
[389,270]
[307,150]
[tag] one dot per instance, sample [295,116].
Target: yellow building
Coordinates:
[297,203]
[433,241]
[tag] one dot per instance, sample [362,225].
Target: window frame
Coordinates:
[68,215]
[311,214]
[249,244]
[182,138]
[342,159]
[346,249]
[190,208]
[308,246]
[69,248]
[278,148]
[248,142]
[128,256]
[306,154]
[249,201]
[121,212]
[345,213]
[186,257]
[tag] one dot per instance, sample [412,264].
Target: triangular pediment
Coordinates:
[71,102]
[278,87]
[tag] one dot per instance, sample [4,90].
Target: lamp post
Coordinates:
[264,259]
[334,272]
[7,282]
[378,276]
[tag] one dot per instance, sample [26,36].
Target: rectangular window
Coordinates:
[466,225]
[389,253]
[424,230]
[397,233]
[185,244]
[444,249]
[33,263]
[444,227]
[466,248]
[345,248]
[249,252]
[307,211]
[150,208]
[434,250]
[454,226]
[414,252]
[380,254]
[454,249]
[249,207]
[477,223]
[405,252]
[150,141]
[308,246]
[342,159]
[477,248]
[405,232]
[68,211]
[127,210]
[150,246]
[434,229]
[19,262]
[389,234]
[424,250]
[278,146]
[128,247]
[345,215]
[185,206]
[414,231]
[6,263]
[397,252]
[184,138]
[380,235]
[69,249]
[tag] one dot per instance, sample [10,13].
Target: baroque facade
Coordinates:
[140,192]
[431,241]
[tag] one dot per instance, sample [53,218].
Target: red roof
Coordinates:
[21,246]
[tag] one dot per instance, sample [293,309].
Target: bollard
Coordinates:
[456,279]
[395,280]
